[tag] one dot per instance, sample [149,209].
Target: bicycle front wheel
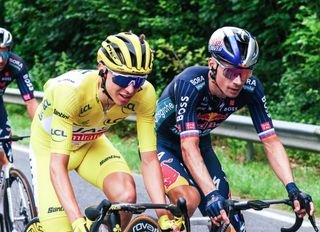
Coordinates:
[19,205]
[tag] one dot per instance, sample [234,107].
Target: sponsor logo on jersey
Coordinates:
[190,125]
[26,97]
[16,63]
[210,117]
[164,108]
[86,137]
[84,110]
[264,100]
[112,121]
[182,108]
[128,109]
[28,82]
[265,126]
[250,85]
[170,175]
[198,82]
[55,209]
[58,135]
[230,109]
[61,115]
[6,78]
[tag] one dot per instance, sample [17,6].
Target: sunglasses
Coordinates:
[232,72]
[5,55]
[125,80]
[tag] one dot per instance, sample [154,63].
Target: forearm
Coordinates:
[153,180]
[63,188]
[278,159]
[32,107]
[197,168]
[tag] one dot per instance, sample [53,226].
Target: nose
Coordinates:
[238,80]
[130,89]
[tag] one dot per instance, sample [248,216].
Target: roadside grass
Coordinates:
[248,180]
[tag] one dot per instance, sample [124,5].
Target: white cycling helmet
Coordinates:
[235,46]
[5,38]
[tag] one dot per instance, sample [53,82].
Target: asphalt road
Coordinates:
[268,220]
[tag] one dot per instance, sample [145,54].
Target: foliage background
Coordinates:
[56,36]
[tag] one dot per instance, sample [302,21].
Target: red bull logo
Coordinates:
[170,175]
[210,117]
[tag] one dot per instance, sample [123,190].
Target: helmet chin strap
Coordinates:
[213,74]
[102,74]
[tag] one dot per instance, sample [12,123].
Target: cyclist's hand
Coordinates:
[302,202]
[166,224]
[215,208]
[81,225]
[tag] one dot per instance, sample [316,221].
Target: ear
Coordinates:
[103,71]
[212,63]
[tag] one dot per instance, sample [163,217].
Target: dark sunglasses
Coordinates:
[125,80]
[5,55]
[231,72]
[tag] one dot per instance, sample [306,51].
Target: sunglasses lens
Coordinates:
[232,73]
[5,55]
[124,81]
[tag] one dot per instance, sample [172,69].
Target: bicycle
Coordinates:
[234,209]
[107,214]
[18,201]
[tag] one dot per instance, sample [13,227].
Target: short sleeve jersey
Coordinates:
[187,108]
[72,115]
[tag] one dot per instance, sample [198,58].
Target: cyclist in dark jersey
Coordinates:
[12,68]
[198,100]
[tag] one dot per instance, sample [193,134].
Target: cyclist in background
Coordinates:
[198,100]
[12,68]
[67,133]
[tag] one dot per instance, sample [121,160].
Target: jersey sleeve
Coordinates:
[146,121]
[65,102]
[186,99]
[257,105]
[24,82]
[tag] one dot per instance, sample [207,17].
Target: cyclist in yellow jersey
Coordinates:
[67,134]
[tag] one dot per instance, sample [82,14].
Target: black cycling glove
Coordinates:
[215,203]
[294,193]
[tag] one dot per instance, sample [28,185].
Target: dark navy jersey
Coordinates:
[187,108]
[16,70]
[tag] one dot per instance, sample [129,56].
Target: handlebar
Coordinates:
[97,214]
[233,205]
[13,138]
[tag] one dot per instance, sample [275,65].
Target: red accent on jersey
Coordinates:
[265,126]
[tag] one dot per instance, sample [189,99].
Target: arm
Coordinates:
[31,107]
[280,164]
[152,177]
[192,158]
[278,158]
[62,185]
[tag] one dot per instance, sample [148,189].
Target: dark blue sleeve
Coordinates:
[257,105]
[24,81]
[186,99]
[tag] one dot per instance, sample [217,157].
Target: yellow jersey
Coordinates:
[71,114]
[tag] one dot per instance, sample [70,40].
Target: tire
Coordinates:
[23,203]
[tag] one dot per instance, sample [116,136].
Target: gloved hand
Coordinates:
[165,223]
[304,199]
[81,225]
[215,203]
